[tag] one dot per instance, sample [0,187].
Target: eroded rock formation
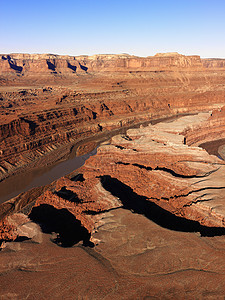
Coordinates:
[154,164]
[151,200]
[150,164]
[86,96]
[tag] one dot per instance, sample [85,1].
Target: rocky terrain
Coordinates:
[145,216]
[49,102]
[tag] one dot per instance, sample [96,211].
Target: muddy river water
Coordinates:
[22,182]
[16,184]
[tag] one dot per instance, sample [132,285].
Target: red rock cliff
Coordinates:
[88,95]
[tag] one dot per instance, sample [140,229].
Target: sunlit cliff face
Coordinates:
[144,217]
[49,101]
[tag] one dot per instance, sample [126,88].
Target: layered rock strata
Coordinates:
[211,129]
[86,96]
[142,200]
[46,63]
[151,164]
[157,165]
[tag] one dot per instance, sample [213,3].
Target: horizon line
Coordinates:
[112,54]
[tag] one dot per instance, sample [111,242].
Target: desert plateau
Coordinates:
[112,177]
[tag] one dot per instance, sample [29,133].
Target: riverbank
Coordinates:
[40,176]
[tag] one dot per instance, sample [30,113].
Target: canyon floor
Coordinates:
[143,218]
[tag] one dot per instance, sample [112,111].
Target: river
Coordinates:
[24,181]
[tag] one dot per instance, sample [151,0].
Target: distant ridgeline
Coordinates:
[64,64]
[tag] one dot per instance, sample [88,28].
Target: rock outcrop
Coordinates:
[47,63]
[151,200]
[152,164]
[155,164]
[210,130]
[88,96]
[64,64]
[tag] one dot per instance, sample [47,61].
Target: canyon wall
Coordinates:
[46,63]
[149,168]
[210,130]
[49,102]
[151,201]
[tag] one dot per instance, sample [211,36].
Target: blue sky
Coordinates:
[140,27]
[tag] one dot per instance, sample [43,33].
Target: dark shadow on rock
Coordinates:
[212,147]
[100,128]
[23,92]
[141,205]
[51,66]
[94,212]
[32,125]
[83,67]
[94,114]
[68,195]
[75,111]
[69,230]
[78,177]
[18,69]
[22,239]
[73,68]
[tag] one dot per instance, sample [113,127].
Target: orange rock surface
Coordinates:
[151,201]
[86,96]
[123,196]
[149,164]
